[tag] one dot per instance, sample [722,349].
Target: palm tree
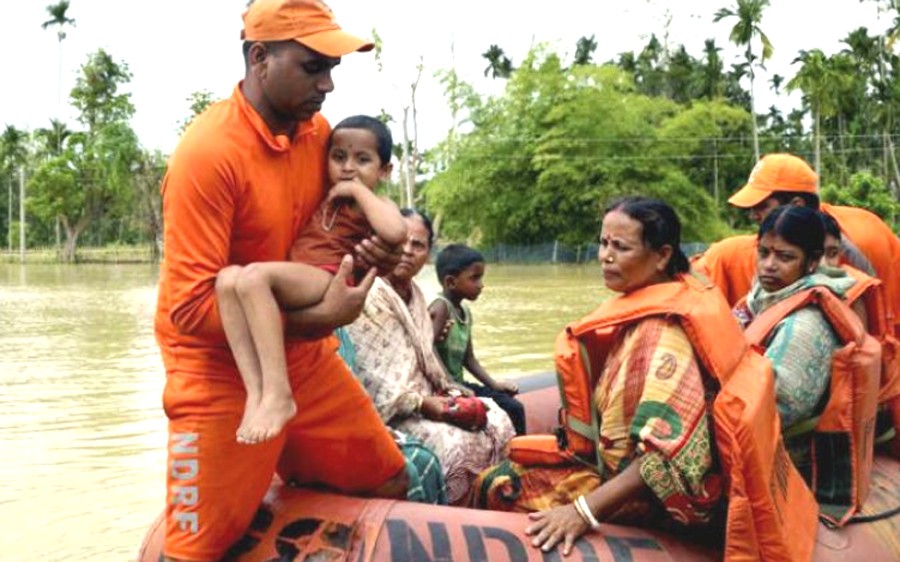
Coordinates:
[712,68]
[60,20]
[13,154]
[53,138]
[821,87]
[499,65]
[745,31]
[776,81]
[584,50]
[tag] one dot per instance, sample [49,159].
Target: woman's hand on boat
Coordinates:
[560,524]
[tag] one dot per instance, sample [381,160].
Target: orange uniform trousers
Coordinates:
[336,439]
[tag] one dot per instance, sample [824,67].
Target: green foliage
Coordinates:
[705,140]
[545,157]
[584,50]
[199,101]
[867,192]
[499,65]
[54,187]
[58,18]
[91,177]
[96,94]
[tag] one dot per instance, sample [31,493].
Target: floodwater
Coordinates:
[82,432]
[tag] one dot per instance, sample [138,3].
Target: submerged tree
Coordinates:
[91,178]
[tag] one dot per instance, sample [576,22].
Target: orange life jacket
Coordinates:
[844,434]
[869,291]
[771,512]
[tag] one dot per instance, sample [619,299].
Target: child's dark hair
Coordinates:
[801,226]
[811,200]
[660,224]
[383,138]
[426,220]
[454,259]
[832,227]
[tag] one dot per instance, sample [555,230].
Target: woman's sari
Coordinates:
[426,477]
[396,363]
[653,407]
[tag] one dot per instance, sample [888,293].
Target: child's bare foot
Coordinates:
[250,409]
[271,416]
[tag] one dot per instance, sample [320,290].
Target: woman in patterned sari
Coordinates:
[654,435]
[397,365]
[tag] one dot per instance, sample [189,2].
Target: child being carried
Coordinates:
[251,298]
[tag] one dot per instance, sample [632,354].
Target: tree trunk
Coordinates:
[896,180]
[405,162]
[154,217]
[9,208]
[72,234]
[753,117]
[885,166]
[414,153]
[716,175]
[818,149]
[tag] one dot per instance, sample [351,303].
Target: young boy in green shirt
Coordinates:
[460,270]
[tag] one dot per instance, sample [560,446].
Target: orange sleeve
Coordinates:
[730,264]
[199,193]
[879,244]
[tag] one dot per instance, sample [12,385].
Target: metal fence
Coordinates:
[549,252]
[556,252]
[107,254]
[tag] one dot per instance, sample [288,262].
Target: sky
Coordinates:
[176,47]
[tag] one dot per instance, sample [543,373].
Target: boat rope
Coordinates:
[860,518]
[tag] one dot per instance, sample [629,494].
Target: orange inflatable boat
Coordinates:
[300,524]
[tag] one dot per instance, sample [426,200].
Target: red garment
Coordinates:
[331,234]
[236,194]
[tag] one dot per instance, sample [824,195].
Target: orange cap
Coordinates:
[773,173]
[308,22]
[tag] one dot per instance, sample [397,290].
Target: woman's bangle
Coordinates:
[582,508]
[580,511]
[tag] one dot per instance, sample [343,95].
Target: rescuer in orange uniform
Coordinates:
[246,176]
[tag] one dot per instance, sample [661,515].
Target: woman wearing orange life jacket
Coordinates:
[654,440]
[789,248]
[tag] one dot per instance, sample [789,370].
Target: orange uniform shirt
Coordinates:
[233,194]
[880,245]
[236,194]
[730,264]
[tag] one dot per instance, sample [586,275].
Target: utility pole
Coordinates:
[22,214]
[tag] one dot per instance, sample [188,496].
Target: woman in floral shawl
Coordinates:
[791,242]
[396,363]
[653,406]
